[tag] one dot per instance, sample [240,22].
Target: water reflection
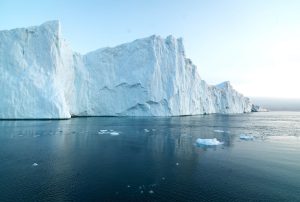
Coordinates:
[76,162]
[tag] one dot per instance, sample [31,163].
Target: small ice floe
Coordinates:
[151,192]
[114,133]
[146,130]
[35,164]
[128,186]
[142,192]
[177,164]
[208,142]
[110,132]
[246,137]
[153,129]
[219,131]
[163,178]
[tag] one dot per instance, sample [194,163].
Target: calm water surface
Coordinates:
[162,163]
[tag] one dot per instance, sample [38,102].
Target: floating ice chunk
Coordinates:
[128,186]
[146,130]
[219,131]
[163,178]
[114,133]
[142,192]
[35,164]
[208,142]
[177,164]
[246,137]
[151,192]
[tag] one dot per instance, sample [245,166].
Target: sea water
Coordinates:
[152,159]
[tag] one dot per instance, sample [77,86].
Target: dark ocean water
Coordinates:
[162,163]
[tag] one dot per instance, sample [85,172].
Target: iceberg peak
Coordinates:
[52,26]
[224,85]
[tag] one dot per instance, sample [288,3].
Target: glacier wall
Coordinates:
[41,77]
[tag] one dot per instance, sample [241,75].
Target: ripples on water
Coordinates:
[152,159]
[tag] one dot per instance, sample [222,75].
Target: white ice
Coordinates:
[208,142]
[114,133]
[219,131]
[147,77]
[246,137]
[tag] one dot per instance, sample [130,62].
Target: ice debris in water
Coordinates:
[208,142]
[246,137]
[146,130]
[151,192]
[111,132]
[219,131]
[35,164]
[177,164]
[114,133]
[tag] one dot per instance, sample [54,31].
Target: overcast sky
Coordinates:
[254,44]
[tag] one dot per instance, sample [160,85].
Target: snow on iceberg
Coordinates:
[208,142]
[147,77]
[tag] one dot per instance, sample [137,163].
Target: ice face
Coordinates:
[44,78]
[35,73]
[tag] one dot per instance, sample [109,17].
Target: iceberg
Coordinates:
[256,108]
[208,142]
[45,79]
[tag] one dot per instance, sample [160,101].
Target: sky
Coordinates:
[253,44]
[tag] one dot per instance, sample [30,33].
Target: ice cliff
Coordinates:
[41,77]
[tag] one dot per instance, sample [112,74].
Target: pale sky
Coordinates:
[255,44]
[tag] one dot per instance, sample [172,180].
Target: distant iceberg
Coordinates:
[45,79]
[208,142]
[256,108]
